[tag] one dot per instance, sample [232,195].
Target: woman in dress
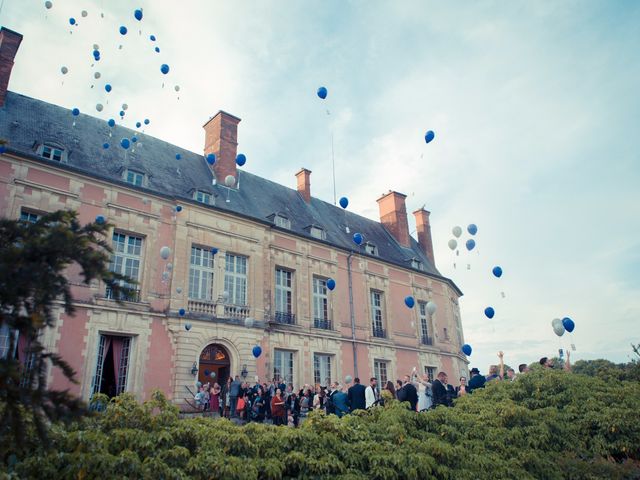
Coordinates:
[462,388]
[278,412]
[423,385]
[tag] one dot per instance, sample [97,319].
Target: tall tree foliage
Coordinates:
[33,289]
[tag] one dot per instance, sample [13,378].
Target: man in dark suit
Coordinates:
[408,393]
[439,389]
[476,381]
[356,396]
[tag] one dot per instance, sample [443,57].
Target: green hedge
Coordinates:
[545,425]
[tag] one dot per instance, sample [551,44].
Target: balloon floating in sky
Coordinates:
[357,238]
[187,327]
[497,271]
[453,243]
[457,231]
[165,252]
[429,136]
[107,87]
[489,312]
[557,326]
[348,379]
[111,122]
[100,219]
[48,4]
[123,30]
[248,322]
[105,145]
[177,88]
[157,49]
[134,139]
[568,324]
[125,106]
[241,159]
[138,14]
[472,229]
[322,92]
[64,70]
[96,75]
[99,107]
[257,351]
[75,112]
[471,244]
[331,284]
[409,301]
[431,307]
[214,250]
[146,121]
[179,290]
[152,38]
[125,143]
[344,202]
[72,21]
[138,124]
[229,180]
[466,349]
[181,312]
[84,13]
[178,208]
[164,68]
[178,156]
[121,113]
[211,158]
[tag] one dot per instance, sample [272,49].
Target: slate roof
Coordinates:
[27,123]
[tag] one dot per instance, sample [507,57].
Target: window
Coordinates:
[235,279]
[127,251]
[134,178]
[417,264]
[282,221]
[370,248]
[52,153]
[425,339]
[376,314]
[5,341]
[283,365]
[446,334]
[202,197]
[317,232]
[284,296]
[320,304]
[322,369]
[112,365]
[27,216]
[380,369]
[201,274]
[431,372]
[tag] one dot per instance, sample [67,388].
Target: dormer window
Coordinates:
[371,249]
[202,197]
[417,264]
[134,178]
[317,232]
[282,221]
[52,153]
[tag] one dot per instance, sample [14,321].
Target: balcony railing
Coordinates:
[124,295]
[426,340]
[322,323]
[202,306]
[379,332]
[285,318]
[236,311]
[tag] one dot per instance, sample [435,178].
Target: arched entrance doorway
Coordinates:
[214,364]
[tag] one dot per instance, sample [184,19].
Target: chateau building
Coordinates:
[224,261]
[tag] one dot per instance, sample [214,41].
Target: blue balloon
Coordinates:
[100,219]
[75,112]
[472,229]
[357,238]
[96,54]
[157,49]
[241,159]
[178,156]
[568,324]
[207,372]
[466,349]
[138,124]
[107,87]
[123,30]
[257,351]
[471,244]
[164,68]
[72,21]
[497,271]
[409,301]
[111,122]
[179,208]
[152,38]
[322,92]
[181,312]
[138,14]
[489,312]
[211,158]
[146,121]
[121,113]
[105,145]
[134,139]
[331,284]
[344,202]
[214,250]
[429,136]
[125,143]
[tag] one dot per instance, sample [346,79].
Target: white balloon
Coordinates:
[165,276]
[457,231]
[453,243]
[99,107]
[431,308]
[177,88]
[248,322]
[165,252]
[96,46]
[229,181]
[179,289]
[169,266]
[48,4]
[64,70]
[225,295]
[348,379]
[557,326]
[84,13]
[125,106]
[96,75]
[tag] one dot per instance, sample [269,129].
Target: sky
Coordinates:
[534,105]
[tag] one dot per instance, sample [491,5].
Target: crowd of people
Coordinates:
[278,402]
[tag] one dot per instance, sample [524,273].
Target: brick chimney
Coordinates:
[424,233]
[221,138]
[393,215]
[304,184]
[9,44]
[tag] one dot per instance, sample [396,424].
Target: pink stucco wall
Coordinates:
[159,367]
[70,346]
[406,360]
[50,179]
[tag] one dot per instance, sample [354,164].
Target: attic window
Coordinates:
[282,221]
[417,264]
[134,178]
[52,153]
[371,249]
[317,232]
[202,197]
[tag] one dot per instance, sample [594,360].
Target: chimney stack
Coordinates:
[393,215]
[304,184]
[424,233]
[221,138]
[9,44]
